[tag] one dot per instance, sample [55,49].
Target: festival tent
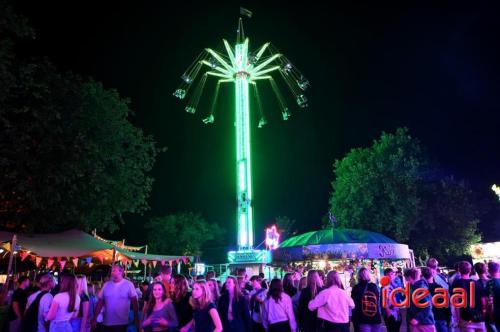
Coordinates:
[72,243]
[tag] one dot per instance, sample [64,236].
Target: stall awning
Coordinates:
[338,235]
[340,244]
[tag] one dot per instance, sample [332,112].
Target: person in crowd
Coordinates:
[144,291]
[454,275]
[391,313]
[366,315]
[333,305]
[264,280]
[419,319]
[160,312]
[470,318]
[18,304]
[277,313]
[210,275]
[91,288]
[81,322]
[257,297]
[296,276]
[99,317]
[233,308]
[493,293]
[442,316]
[295,299]
[138,290]
[482,278]
[288,285]
[205,315]
[439,278]
[65,304]
[180,299]
[166,278]
[244,283]
[116,296]
[213,285]
[38,306]
[308,320]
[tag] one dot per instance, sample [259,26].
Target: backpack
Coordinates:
[369,302]
[471,314]
[29,322]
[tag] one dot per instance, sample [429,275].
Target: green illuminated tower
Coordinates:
[245,70]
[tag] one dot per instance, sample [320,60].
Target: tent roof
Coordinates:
[72,243]
[337,235]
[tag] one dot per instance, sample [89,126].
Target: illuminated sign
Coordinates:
[272,238]
[249,256]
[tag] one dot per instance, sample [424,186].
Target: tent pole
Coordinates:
[145,266]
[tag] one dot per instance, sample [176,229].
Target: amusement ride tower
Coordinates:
[245,70]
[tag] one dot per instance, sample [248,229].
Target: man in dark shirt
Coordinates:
[441,315]
[493,291]
[18,305]
[470,318]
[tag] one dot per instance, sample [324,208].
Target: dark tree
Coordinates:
[69,155]
[386,188]
[181,234]
[375,188]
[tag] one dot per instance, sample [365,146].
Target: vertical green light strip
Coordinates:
[243,161]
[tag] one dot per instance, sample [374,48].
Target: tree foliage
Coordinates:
[448,219]
[69,155]
[376,188]
[386,188]
[286,226]
[181,234]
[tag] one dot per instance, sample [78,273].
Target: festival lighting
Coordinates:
[272,238]
[246,70]
[496,189]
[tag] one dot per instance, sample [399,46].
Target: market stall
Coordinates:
[485,252]
[345,250]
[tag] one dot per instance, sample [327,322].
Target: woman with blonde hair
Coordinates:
[81,322]
[205,315]
[333,305]
[65,305]
[308,320]
[213,285]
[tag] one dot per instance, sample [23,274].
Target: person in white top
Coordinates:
[333,305]
[65,305]
[116,296]
[277,311]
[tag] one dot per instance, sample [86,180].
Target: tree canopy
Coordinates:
[183,233]
[387,188]
[70,157]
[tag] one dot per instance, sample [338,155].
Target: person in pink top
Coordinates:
[333,305]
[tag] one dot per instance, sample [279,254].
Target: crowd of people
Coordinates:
[309,303]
